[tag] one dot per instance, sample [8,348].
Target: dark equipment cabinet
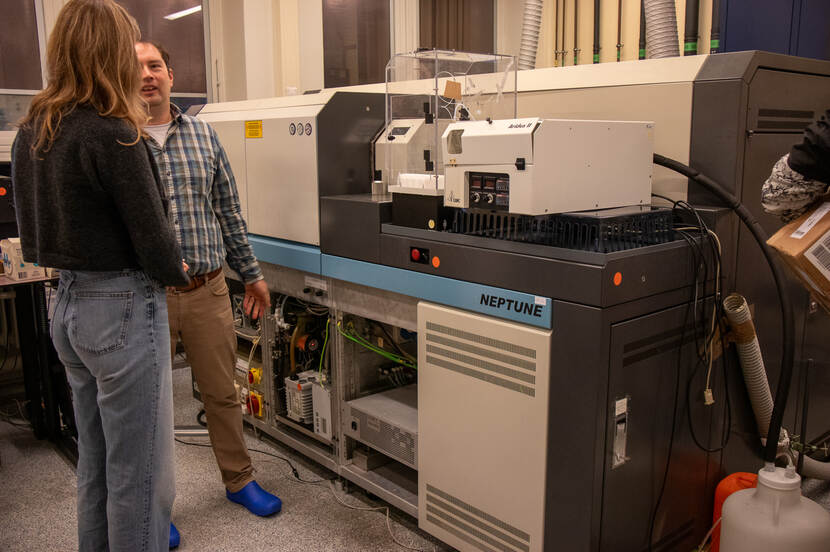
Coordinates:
[749,109]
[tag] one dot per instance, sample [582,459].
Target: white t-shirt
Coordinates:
[158,132]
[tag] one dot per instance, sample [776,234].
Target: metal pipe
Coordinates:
[596,30]
[576,32]
[563,52]
[619,28]
[556,34]
[690,39]
[661,29]
[642,53]
[714,40]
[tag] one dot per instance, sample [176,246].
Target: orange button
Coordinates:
[3,191]
[617,278]
[436,262]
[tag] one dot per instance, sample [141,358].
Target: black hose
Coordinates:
[643,29]
[596,30]
[714,41]
[805,398]
[787,320]
[690,40]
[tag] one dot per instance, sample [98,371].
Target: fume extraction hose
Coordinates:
[661,28]
[531,25]
[787,319]
[752,363]
[755,375]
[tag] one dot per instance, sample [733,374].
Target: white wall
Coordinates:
[263,48]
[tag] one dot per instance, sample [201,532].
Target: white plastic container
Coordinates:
[774,517]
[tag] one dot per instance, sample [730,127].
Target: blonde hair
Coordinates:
[91,60]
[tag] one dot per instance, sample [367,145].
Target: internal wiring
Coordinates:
[393,342]
[382,352]
[695,234]
[323,353]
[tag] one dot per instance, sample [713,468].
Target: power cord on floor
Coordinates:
[294,470]
[21,421]
[376,509]
[330,482]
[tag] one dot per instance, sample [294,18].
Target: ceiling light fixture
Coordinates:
[183,13]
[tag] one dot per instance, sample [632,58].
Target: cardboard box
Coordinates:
[13,265]
[804,244]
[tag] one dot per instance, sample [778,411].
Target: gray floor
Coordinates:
[37,500]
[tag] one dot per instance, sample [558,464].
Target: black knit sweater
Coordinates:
[812,156]
[92,203]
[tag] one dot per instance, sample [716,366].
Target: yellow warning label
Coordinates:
[253,129]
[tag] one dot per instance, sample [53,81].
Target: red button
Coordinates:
[415,254]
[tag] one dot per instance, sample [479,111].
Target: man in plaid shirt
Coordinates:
[207,219]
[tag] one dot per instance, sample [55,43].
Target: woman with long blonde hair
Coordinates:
[89,202]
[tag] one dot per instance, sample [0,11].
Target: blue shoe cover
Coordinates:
[255,499]
[175,538]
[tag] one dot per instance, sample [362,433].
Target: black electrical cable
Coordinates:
[390,338]
[699,264]
[200,418]
[294,470]
[788,333]
[673,424]
[805,398]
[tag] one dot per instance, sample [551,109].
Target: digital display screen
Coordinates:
[400,131]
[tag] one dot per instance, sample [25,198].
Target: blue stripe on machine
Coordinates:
[285,253]
[493,301]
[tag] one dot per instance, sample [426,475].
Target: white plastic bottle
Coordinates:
[774,517]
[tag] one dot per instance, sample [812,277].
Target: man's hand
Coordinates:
[257,299]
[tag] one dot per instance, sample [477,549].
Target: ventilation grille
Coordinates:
[389,439]
[299,403]
[601,231]
[473,355]
[473,526]
[783,120]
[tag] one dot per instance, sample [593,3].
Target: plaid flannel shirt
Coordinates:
[204,203]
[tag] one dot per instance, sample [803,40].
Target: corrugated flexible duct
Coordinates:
[755,375]
[531,25]
[661,29]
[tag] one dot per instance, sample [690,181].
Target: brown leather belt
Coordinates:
[198,281]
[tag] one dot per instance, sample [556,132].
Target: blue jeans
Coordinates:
[111,333]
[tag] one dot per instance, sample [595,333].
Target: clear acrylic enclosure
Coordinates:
[426,91]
